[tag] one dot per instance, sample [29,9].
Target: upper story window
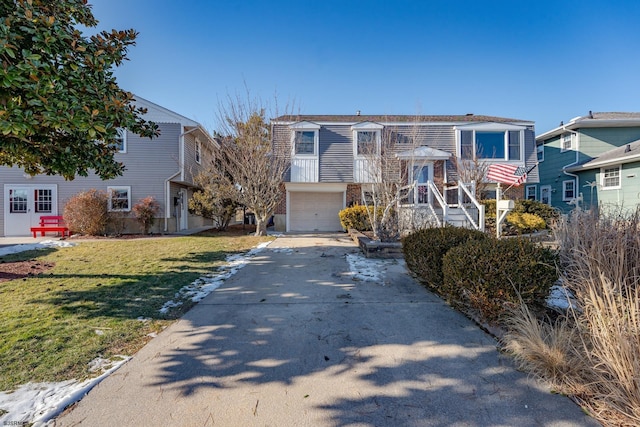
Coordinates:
[610,178]
[119,198]
[305,142]
[366,142]
[198,155]
[366,139]
[121,140]
[540,152]
[491,141]
[567,141]
[305,139]
[568,190]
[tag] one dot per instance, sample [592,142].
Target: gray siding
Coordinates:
[530,156]
[440,137]
[148,163]
[336,154]
[191,167]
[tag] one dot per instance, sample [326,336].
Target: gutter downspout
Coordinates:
[167,185]
[564,168]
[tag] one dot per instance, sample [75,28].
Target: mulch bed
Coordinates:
[22,269]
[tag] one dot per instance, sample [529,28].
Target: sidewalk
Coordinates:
[295,338]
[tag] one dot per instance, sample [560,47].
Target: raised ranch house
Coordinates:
[593,160]
[330,167]
[162,167]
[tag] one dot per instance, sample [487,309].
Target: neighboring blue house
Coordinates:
[329,167]
[591,160]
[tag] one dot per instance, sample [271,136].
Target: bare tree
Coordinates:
[386,175]
[473,171]
[248,160]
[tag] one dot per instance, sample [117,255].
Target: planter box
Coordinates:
[375,248]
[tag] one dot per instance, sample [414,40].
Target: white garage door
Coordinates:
[315,211]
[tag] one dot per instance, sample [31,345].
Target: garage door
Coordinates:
[315,211]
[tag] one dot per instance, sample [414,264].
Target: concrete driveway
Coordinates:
[293,340]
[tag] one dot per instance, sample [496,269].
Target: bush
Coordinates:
[424,249]
[86,212]
[356,217]
[544,211]
[492,275]
[526,222]
[145,212]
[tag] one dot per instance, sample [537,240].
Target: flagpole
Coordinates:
[526,173]
[498,222]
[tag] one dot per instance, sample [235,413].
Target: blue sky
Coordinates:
[544,61]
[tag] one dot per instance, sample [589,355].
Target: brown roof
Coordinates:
[469,118]
[613,116]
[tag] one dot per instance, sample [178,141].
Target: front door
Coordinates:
[23,205]
[421,174]
[184,209]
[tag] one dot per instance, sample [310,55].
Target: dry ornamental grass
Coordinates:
[593,353]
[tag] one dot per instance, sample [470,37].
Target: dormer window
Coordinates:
[366,142]
[305,142]
[366,139]
[305,138]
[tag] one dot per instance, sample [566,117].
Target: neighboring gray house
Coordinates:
[591,160]
[162,167]
[328,170]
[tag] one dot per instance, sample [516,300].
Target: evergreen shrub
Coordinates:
[492,275]
[424,249]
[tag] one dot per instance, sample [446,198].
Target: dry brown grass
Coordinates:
[593,353]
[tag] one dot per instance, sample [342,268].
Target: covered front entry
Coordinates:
[25,203]
[315,210]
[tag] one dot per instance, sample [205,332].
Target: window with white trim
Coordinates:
[568,190]
[610,178]
[121,140]
[366,142]
[491,144]
[119,198]
[305,142]
[530,192]
[567,141]
[44,200]
[540,152]
[198,153]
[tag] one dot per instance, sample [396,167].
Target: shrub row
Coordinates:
[474,271]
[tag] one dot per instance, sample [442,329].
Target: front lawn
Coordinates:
[101,298]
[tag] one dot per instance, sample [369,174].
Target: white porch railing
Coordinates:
[457,207]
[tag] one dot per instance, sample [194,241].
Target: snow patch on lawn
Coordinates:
[35,246]
[367,269]
[204,285]
[38,403]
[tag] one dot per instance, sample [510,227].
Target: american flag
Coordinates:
[507,174]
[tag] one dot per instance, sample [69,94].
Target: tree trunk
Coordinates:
[261,226]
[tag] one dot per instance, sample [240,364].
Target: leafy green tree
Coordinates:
[60,104]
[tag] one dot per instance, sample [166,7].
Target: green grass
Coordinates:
[48,322]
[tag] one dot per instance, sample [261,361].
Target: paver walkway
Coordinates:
[293,340]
